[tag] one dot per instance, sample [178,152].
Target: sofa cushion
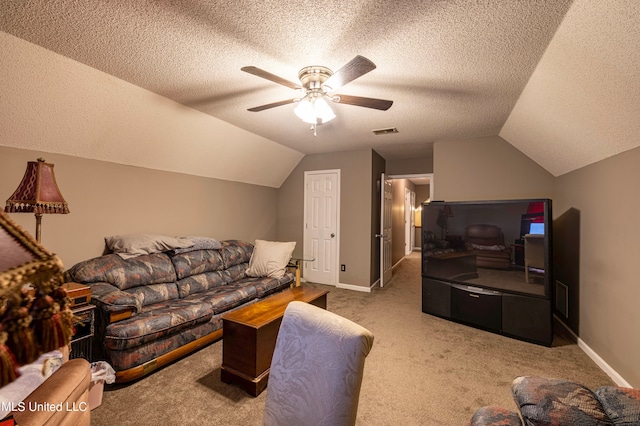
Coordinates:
[132,245]
[110,299]
[196,262]
[201,282]
[142,270]
[266,285]
[235,252]
[270,258]
[622,405]
[229,296]
[138,355]
[200,243]
[154,293]
[544,401]
[156,321]
[235,272]
[495,416]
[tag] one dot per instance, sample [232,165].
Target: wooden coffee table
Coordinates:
[249,337]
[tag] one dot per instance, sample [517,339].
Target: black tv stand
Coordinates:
[525,317]
[471,273]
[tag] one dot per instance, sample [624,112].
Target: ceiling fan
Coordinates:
[318,83]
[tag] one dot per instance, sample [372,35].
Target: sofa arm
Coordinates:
[621,404]
[544,400]
[67,390]
[114,303]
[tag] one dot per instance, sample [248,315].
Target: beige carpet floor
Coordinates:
[422,370]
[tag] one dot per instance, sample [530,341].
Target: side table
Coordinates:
[296,263]
[84,320]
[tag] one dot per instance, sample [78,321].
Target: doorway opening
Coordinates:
[409,192]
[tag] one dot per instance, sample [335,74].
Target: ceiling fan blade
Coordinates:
[273,105]
[272,77]
[357,67]
[380,104]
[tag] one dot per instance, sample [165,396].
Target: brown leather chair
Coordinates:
[67,388]
[487,243]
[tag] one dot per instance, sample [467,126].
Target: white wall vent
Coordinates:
[386,131]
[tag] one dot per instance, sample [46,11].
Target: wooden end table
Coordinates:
[249,337]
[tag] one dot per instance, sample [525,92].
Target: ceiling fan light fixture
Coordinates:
[317,84]
[314,111]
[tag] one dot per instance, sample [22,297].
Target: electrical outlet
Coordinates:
[343,268]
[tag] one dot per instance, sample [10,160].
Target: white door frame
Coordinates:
[417,175]
[408,212]
[306,254]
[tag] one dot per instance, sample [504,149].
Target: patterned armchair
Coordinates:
[549,402]
[316,369]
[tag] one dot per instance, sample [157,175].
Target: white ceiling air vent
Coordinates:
[386,131]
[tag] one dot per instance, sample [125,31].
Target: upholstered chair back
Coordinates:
[316,369]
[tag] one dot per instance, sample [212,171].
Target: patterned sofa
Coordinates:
[552,402]
[155,308]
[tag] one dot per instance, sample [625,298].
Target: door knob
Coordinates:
[333,235]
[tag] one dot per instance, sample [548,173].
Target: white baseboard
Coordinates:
[397,263]
[354,287]
[617,378]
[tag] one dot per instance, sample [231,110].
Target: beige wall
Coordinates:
[355,215]
[110,199]
[408,166]
[604,199]
[601,199]
[486,169]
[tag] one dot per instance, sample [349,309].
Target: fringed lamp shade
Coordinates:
[34,308]
[37,193]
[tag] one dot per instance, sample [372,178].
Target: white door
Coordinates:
[386,195]
[321,207]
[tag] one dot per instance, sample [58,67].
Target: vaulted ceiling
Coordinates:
[557,79]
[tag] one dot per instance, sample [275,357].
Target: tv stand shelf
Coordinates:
[520,316]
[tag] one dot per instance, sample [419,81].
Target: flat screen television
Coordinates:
[497,245]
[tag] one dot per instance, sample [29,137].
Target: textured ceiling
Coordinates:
[454,69]
[582,103]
